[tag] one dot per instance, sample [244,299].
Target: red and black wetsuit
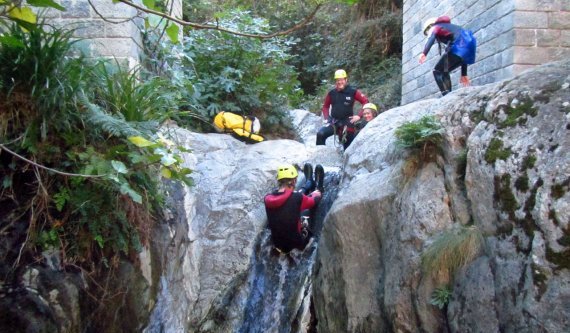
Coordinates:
[445,33]
[284,218]
[341,104]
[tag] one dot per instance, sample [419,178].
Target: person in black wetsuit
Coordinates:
[285,207]
[340,101]
[459,51]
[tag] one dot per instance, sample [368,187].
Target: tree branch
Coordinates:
[46,168]
[297,26]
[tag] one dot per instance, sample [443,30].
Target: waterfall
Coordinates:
[280,284]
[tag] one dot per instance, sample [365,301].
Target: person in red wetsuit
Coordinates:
[285,206]
[340,101]
[460,47]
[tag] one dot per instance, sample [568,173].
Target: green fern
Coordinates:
[418,134]
[110,124]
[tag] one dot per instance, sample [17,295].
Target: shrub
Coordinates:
[217,71]
[80,159]
[420,135]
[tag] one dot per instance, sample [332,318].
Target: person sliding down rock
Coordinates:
[289,212]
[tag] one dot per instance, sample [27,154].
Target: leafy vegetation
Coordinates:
[363,37]
[80,156]
[215,71]
[420,135]
[441,296]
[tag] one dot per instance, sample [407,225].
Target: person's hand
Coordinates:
[316,193]
[464,80]
[354,119]
[422,58]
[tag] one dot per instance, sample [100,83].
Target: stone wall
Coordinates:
[512,35]
[107,29]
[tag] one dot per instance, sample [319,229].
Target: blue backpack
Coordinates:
[465,46]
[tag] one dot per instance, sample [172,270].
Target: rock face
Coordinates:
[504,167]
[206,248]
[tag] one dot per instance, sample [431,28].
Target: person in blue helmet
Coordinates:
[460,47]
[289,211]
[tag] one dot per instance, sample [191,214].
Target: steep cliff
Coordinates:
[504,168]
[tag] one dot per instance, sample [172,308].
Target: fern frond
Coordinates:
[112,125]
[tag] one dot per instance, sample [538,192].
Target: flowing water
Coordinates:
[275,298]
[280,284]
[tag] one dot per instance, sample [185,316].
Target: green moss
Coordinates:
[521,183]
[557,191]
[553,217]
[528,162]
[477,116]
[495,151]
[515,115]
[531,201]
[560,259]
[504,195]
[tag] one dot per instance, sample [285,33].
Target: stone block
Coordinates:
[114,47]
[565,38]
[86,28]
[547,37]
[123,29]
[531,55]
[111,10]
[75,9]
[49,13]
[559,53]
[537,5]
[559,20]
[525,37]
[507,57]
[531,20]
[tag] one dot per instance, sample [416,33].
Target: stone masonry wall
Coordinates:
[512,36]
[107,29]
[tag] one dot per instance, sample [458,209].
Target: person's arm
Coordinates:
[309,201]
[362,99]
[326,106]
[427,47]
[464,79]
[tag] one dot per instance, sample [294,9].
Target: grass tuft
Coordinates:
[452,249]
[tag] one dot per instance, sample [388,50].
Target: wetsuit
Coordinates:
[445,33]
[284,218]
[342,103]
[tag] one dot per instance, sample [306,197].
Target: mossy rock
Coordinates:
[518,115]
[495,151]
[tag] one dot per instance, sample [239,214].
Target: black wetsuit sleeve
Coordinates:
[464,69]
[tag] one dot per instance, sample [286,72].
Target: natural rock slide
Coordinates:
[503,168]
[502,171]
